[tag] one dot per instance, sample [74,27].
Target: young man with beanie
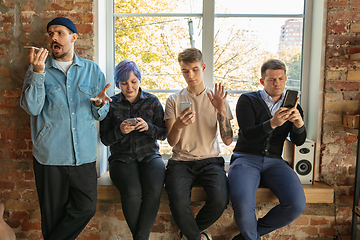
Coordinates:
[64,94]
[194,137]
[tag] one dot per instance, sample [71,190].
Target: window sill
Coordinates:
[315,193]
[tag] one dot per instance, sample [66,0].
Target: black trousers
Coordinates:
[67,198]
[140,185]
[179,180]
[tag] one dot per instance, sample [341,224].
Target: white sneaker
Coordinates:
[205,235]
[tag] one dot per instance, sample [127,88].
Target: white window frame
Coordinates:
[313,53]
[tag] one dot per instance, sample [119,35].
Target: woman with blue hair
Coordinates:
[132,127]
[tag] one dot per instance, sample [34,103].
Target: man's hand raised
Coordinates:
[218,97]
[102,96]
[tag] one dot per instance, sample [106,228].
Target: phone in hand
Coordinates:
[132,121]
[185,105]
[290,99]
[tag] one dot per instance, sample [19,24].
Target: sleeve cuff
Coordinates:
[98,107]
[267,127]
[38,78]
[118,133]
[299,130]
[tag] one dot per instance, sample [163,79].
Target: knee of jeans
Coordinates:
[89,210]
[219,202]
[131,193]
[299,206]
[295,208]
[242,204]
[152,193]
[179,202]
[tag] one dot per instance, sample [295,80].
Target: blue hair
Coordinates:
[123,71]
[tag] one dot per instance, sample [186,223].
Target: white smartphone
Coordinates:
[36,48]
[132,121]
[185,105]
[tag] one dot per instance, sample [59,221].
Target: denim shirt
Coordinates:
[63,129]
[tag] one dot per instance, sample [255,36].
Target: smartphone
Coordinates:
[185,105]
[36,48]
[290,99]
[132,121]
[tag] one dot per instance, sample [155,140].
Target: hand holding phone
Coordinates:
[290,99]
[185,105]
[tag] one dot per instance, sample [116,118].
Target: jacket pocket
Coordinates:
[41,134]
[87,92]
[53,98]
[91,91]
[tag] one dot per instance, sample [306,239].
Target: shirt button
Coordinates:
[70,99]
[68,85]
[73,128]
[72,113]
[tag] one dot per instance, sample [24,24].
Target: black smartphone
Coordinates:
[290,99]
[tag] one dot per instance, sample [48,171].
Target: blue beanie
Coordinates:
[64,22]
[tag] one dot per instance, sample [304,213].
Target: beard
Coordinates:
[60,56]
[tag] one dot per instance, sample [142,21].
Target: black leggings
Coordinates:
[140,185]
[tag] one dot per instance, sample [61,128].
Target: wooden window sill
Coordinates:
[315,193]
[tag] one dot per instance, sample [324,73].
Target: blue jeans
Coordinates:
[245,174]
[179,180]
[140,185]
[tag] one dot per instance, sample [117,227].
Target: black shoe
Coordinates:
[238,237]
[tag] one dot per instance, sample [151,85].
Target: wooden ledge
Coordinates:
[315,193]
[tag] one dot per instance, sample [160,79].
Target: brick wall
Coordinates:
[23,22]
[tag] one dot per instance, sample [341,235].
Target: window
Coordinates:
[235,39]
[152,33]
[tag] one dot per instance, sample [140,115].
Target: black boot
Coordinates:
[238,237]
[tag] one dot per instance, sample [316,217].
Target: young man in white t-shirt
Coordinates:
[194,137]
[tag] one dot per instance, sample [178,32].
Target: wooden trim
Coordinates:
[315,193]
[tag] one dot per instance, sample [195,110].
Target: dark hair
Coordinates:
[190,55]
[274,64]
[123,71]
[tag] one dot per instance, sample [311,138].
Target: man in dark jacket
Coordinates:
[264,125]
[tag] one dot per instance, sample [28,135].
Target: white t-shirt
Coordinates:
[200,139]
[64,66]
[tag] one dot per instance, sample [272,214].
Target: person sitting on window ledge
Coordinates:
[134,123]
[195,157]
[264,125]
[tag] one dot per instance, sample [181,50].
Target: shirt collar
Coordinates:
[51,61]
[268,99]
[273,106]
[122,97]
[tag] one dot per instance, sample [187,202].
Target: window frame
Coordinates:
[313,52]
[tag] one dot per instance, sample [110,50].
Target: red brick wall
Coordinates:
[23,22]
